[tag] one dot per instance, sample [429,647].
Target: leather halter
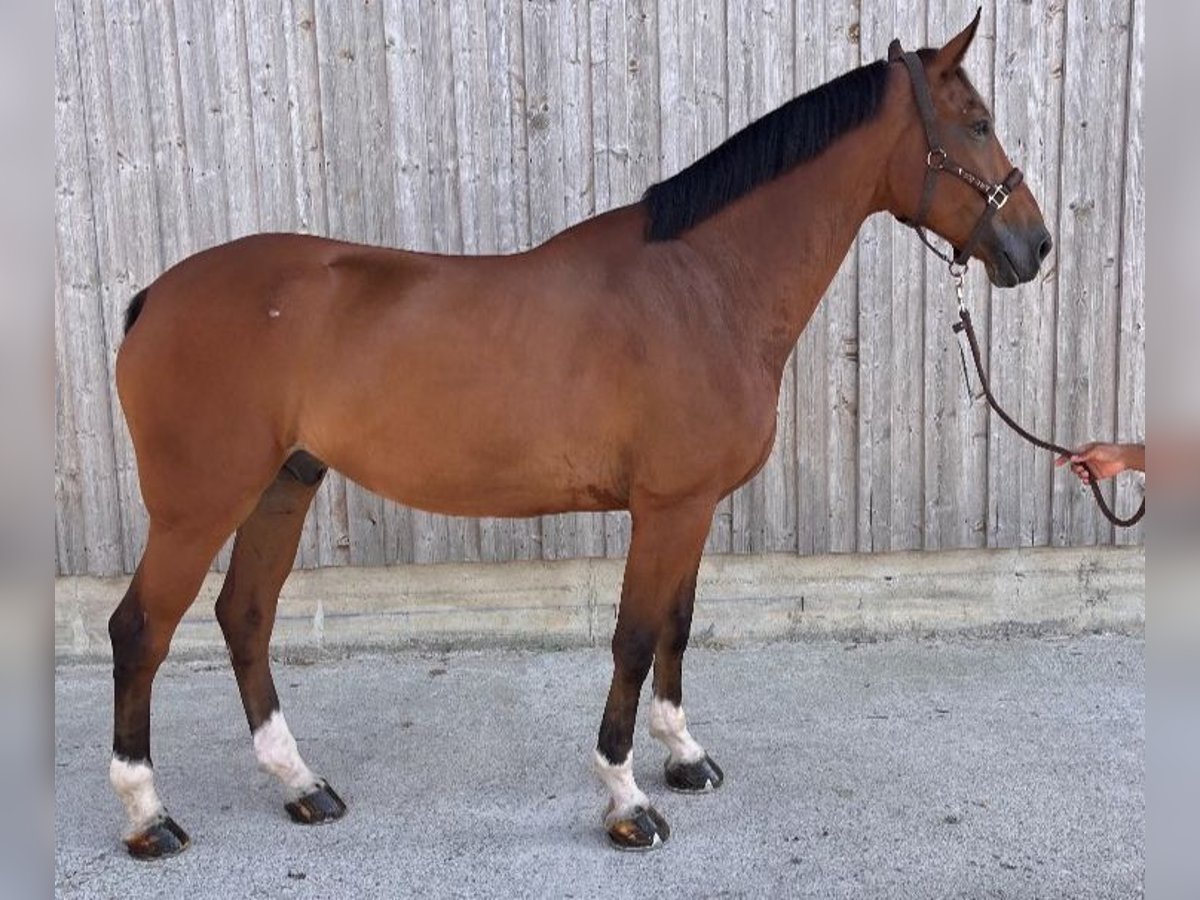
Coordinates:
[996,195]
[937,160]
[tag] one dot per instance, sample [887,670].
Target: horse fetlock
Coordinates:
[668,724]
[133,780]
[276,751]
[625,797]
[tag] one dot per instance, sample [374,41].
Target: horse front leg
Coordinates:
[688,768]
[660,573]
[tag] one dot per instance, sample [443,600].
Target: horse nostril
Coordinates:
[1044,248]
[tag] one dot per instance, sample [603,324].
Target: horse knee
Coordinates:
[633,652]
[127,632]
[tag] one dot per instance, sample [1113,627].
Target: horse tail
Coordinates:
[135,308]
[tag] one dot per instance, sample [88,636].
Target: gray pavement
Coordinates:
[944,768]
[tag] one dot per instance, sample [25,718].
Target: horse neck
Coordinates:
[781,245]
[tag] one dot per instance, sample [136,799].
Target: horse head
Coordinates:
[949,172]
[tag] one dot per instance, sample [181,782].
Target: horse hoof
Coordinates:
[698,777]
[644,830]
[160,838]
[321,804]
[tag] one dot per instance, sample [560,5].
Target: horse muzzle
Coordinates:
[1015,255]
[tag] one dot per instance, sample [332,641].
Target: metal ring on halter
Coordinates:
[941,155]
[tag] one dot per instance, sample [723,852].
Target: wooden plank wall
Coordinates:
[475,126]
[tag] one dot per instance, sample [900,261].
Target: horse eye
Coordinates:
[981,128]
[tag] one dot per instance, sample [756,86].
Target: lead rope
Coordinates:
[964,326]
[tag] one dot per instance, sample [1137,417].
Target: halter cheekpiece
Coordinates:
[937,160]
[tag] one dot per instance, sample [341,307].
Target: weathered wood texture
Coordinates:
[479,126]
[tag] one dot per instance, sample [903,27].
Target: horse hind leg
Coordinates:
[163,587]
[263,553]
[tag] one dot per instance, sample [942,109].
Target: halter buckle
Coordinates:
[936,159]
[998,196]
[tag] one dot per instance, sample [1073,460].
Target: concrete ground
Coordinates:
[964,768]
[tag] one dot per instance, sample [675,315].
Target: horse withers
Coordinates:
[630,362]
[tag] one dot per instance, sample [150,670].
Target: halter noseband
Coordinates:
[937,160]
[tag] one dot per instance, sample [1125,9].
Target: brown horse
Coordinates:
[631,362]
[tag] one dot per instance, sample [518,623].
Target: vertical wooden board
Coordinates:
[1093,155]
[304,102]
[172,166]
[445,158]
[817,41]
[510,146]
[69,540]
[88,504]
[121,171]
[268,76]
[827,45]
[472,102]
[1028,110]
[955,427]
[237,123]
[610,137]
[879,298]
[761,56]
[843,310]
[200,89]
[641,44]
[1131,363]
[544,120]
[900,394]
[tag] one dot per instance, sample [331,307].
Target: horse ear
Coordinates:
[950,57]
[895,51]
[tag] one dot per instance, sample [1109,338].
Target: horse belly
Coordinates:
[469,454]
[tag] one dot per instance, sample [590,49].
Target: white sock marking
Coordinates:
[624,794]
[277,753]
[134,784]
[669,725]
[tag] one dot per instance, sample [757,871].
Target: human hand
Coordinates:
[1105,460]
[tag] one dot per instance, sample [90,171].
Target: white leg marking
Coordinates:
[669,725]
[134,784]
[276,751]
[624,794]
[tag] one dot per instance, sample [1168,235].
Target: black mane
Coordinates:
[763,150]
